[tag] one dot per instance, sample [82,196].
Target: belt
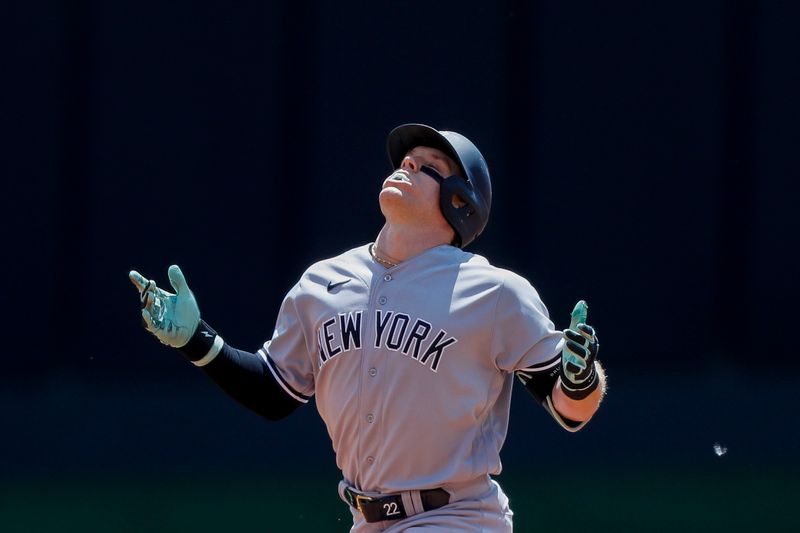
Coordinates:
[390,506]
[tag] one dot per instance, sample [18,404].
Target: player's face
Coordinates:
[411,196]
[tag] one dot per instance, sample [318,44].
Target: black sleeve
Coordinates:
[242,375]
[540,380]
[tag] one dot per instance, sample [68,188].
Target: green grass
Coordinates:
[658,500]
[681,501]
[172,506]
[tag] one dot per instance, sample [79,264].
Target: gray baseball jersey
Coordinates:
[412,366]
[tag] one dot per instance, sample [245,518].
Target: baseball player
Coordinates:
[409,345]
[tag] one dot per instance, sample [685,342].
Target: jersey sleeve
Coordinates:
[287,353]
[524,338]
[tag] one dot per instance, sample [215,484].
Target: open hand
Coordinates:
[171,318]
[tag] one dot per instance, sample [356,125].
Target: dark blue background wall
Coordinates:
[643,157]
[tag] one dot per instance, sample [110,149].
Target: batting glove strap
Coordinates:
[579,391]
[203,346]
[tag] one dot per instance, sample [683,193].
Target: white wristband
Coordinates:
[212,353]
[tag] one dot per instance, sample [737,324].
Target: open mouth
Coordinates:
[399,175]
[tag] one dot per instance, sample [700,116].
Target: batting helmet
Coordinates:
[473,185]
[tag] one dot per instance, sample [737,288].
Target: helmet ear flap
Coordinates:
[461,214]
[457,202]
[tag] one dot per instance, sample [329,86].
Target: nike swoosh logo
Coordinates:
[332,285]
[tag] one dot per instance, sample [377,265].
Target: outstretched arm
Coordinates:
[174,319]
[244,376]
[571,385]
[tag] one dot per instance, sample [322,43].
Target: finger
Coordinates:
[148,300]
[574,369]
[138,280]
[177,279]
[577,349]
[148,294]
[585,373]
[148,321]
[572,362]
[576,337]
[579,314]
[593,349]
[586,331]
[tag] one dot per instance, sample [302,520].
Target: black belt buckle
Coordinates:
[362,499]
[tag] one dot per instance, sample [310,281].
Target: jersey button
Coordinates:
[370,459]
[382,300]
[387,277]
[370,418]
[373,372]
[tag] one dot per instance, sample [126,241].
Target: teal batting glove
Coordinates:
[578,374]
[172,318]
